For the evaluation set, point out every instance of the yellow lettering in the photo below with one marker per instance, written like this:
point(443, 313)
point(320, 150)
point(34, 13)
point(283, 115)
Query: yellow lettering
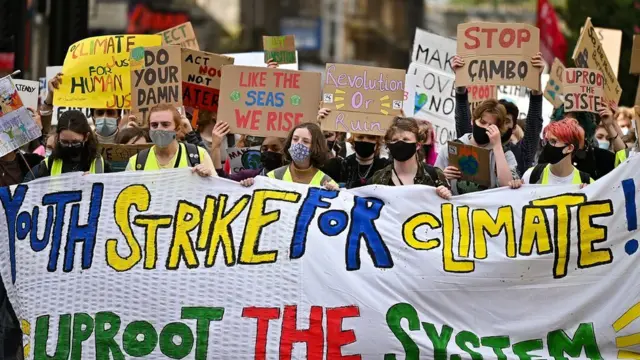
point(451, 264)
point(483, 222)
point(535, 227)
point(409, 231)
point(137, 196)
point(465, 231)
point(222, 233)
point(207, 219)
point(560, 204)
point(257, 220)
point(151, 224)
point(589, 234)
point(188, 217)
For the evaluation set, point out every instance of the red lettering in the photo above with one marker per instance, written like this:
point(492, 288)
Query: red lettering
point(264, 315)
point(507, 38)
point(283, 121)
point(290, 81)
point(313, 337)
point(489, 33)
point(336, 337)
point(469, 33)
point(253, 79)
point(242, 121)
point(524, 35)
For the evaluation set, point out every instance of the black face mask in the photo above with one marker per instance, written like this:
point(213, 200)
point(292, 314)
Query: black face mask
point(270, 160)
point(506, 136)
point(480, 135)
point(364, 149)
point(68, 152)
point(331, 144)
point(402, 151)
point(552, 154)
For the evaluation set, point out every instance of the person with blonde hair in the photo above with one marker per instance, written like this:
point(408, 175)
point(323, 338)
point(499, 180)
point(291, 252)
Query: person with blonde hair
point(489, 124)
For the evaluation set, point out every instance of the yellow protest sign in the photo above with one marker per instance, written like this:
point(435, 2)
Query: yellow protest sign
point(97, 73)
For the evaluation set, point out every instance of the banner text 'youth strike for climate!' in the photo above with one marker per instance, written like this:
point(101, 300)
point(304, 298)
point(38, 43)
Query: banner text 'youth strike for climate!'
point(200, 231)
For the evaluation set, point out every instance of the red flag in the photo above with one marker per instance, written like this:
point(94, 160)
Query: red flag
point(552, 41)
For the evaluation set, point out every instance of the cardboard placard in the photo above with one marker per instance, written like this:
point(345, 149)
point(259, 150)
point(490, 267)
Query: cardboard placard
point(267, 102)
point(553, 90)
point(159, 81)
point(256, 58)
point(589, 53)
point(583, 90)
point(433, 50)
point(635, 56)
point(498, 53)
point(182, 35)
point(282, 49)
point(201, 74)
point(118, 155)
point(611, 40)
point(29, 92)
point(473, 162)
point(356, 123)
point(243, 159)
point(17, 127)
point(362, 90)
point(97, 72)
point(479, 94)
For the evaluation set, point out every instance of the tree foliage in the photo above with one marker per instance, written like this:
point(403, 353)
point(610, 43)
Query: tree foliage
point(613, 14)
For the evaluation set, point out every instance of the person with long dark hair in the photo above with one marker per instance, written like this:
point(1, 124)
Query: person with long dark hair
point(76, 149)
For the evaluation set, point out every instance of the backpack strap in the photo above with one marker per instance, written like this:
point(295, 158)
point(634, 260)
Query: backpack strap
point(99, 165)
point(585, 178)
point(193, 154)
point(536, 173)
point(141, 159)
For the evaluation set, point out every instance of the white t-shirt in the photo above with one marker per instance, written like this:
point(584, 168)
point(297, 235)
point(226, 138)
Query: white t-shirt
point(553, 180)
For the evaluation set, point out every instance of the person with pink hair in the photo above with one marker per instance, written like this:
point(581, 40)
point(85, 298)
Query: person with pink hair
point(429, 147)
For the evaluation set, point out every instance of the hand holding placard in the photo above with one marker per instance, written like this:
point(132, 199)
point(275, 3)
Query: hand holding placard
point(498, 53)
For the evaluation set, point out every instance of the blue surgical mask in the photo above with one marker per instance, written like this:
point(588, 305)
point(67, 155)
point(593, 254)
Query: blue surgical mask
point(162, 138)
point(603, 144)
point(299, 152)
point(106, 126)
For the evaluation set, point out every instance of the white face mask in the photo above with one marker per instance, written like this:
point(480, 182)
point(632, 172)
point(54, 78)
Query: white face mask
point(625, 131)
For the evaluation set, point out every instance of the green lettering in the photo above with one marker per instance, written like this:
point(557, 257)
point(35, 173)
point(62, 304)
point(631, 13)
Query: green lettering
point(395, 315)
point(440, 342)
point(139, 348)
point(82, 329)
point(497, 343)
point(521, 349)
point(466, 337)
point(42, 335)
point(204, 317)
point(169, 347)
point(105, 342)
point(560, 344)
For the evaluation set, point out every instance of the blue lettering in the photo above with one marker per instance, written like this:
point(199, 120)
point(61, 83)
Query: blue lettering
point(333, 222)
point(313, 201)
point(60, 200)
point(40, 244)
point(251, 94)
point(84, 233)
point(362, 217)
point(11, 205)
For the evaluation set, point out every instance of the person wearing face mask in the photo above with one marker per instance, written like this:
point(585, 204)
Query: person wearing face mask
point(524, 150)
point(403, 138)
point(488, 127)
point(624, 117)
point(356, 169)
point(76, 149)
point(601, 138)
point(592, 159)
point(306, 151)
point(107, 122)
point(562, 138)
point(167, 152)
point(271, 155)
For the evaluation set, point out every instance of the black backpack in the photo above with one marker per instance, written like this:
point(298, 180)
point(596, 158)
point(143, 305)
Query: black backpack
point(536, 174)
point(193, 158)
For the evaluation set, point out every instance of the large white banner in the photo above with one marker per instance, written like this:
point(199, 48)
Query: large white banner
point(433, 50)
point(170, 265)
